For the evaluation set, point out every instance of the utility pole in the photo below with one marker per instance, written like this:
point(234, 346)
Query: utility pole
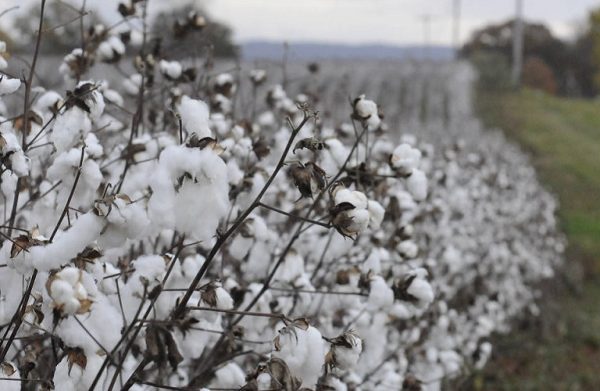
point(456, 26)
point(517, 49)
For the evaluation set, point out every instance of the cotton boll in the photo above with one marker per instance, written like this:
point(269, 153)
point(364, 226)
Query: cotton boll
point(417, 184)
point(303, 351)
point(376, 214)
point(194, 116)
point(9, 183)
point(171, 69)
point(47, 103)
point(229, 376)
point(132, 84)
point(380, 294)
point(111, 50)
point(292, 267)
point(356, 198)
point(8, 85)
point(405, 158)
point(360, 220)
point(422, 291)
point(67, 244)
point(200, 202)
point(67, 292)
point(68, 128)
point(408, 249)
point(345, 350)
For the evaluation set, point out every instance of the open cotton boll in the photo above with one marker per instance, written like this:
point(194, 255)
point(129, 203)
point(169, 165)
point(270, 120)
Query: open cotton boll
point(405, 158)
point(68, 128)
point(356, 198)
point(229, 376)
point(292, 267)
point(132, 84)
point(171, 69)
point(365, 108)
point(303, 351)
point(8, 85)
point(408, 249)
point(367, 111)
point(111, 50)
point(421, 290)
point(376, 214)
point(67, 244)
point(200, 202)
point(360, 220)
point(417, 184)
point(47, 103)
point(194, 116)
point(8, 371)
point(67, 291)
point(380, 294)
point(8, 184)
point(345, 351)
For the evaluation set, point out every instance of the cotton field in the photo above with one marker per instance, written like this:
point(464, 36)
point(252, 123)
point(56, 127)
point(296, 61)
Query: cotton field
point(258, 227)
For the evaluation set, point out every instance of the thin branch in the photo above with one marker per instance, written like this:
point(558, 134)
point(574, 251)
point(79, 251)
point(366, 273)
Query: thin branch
point(293, 216)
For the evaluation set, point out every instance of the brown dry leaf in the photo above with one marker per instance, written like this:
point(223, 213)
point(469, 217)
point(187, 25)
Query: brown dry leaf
point(76, 356)
point(283, 379)
point(277, 343)
point(310, 143)
point(209, 296)
point(301, 323)
point(8, 368)
point(20, 243)
point(261, 148)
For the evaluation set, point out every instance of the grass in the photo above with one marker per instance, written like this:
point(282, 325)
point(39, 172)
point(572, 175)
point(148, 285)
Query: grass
point(561, 350)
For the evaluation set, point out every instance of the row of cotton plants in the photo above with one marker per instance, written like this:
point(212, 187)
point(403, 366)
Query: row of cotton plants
point(191, 228)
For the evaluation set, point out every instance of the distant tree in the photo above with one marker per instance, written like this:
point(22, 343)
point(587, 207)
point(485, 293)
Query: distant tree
point(188, 32)
point(62, 27)
point(538, 75)
point(538, 42)
point(593, 48)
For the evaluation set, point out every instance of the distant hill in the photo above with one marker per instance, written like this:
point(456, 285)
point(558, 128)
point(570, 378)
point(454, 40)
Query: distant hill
point(309, 50)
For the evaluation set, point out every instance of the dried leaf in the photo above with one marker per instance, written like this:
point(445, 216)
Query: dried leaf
point(126, 10)
point(310, 143)
point(152, 343)
point(8, 369)
point(301, 323)
point(209, 296)
point(76, 356)
point(261, 148)
point(173, 355)
point(280, 372)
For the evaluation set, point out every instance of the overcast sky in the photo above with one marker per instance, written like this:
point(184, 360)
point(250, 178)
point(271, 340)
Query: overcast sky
point(363, 21)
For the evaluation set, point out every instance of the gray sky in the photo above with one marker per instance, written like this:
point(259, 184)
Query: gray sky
point(364, 21)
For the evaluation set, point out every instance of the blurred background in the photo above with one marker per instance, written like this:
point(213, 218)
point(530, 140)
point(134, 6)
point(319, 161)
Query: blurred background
point(538, 63)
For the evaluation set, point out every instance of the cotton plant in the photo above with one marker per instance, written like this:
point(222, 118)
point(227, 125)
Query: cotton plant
point(165, 232)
